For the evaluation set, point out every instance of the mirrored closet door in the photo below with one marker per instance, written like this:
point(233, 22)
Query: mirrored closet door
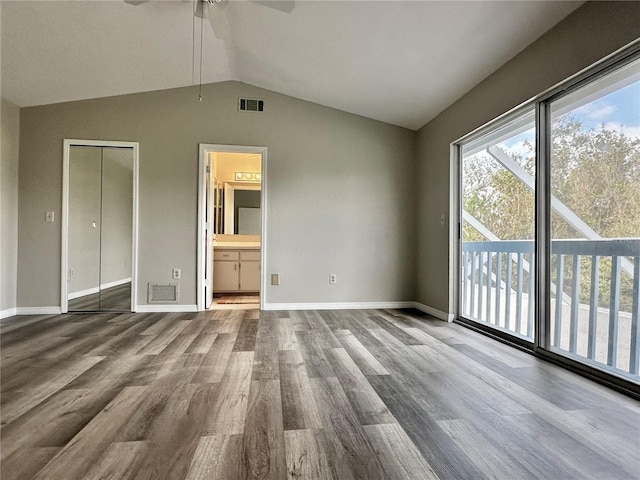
point(100, 226)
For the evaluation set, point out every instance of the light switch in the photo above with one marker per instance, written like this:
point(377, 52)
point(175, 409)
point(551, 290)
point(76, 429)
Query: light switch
point(49, 217)
point(275, 279)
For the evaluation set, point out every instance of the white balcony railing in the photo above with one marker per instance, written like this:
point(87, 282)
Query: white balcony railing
point(595, 290)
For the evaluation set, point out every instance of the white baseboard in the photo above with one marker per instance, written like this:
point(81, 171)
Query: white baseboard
point(115, 283)
point(447, 317)
point(337, 306)
point(90, 291)
point(82, 293)
point(9, 312)
point(38, 310)
point(166, 308)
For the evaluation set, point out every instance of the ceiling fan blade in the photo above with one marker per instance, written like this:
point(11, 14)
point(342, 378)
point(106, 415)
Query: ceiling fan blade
point(214, 12)
point(198, 11)
point(285, 6)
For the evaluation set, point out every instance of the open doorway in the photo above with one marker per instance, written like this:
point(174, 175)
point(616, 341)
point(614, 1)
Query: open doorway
point(231, 225)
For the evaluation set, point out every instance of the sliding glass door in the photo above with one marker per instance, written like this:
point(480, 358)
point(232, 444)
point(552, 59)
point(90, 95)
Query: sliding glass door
point(583, 143)
point(498, 227)
point(595, 220)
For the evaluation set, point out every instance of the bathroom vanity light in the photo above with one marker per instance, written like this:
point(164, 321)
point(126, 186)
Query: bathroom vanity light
point(248, 177)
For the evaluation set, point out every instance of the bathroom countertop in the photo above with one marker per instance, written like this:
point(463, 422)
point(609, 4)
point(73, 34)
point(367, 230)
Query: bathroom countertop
point(237, 245)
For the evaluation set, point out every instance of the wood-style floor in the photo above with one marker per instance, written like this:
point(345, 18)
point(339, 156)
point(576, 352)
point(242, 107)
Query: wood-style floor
point(110, 299)
point(297, 395)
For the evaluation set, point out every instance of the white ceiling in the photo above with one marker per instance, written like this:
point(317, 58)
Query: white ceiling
point(394, 61)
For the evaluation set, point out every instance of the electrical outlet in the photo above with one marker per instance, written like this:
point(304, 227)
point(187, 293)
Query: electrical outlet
point(72, 272)
point(333, 278)
point(275, 279)
point(176, 274)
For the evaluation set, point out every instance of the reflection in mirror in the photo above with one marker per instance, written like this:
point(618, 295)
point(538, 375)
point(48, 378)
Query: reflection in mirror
point(241, 209)
point(100, 228)
point(117, 219)
point(218, 217)
point(246, 206)
point(84, 228)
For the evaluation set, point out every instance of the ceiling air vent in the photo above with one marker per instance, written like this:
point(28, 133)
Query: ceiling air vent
point(251, 105)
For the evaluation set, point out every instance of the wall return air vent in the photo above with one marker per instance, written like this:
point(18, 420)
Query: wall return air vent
point(251, 105)
point(163, 293)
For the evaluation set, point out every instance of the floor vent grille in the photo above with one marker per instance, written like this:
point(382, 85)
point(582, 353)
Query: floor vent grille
point(163, 293)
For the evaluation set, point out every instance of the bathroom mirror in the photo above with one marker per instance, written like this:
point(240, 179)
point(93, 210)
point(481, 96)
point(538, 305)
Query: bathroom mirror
point(236, 183)
point(241, 209)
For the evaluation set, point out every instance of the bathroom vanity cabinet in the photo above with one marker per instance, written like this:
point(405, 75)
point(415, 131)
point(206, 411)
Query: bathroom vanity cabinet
point(236, 270)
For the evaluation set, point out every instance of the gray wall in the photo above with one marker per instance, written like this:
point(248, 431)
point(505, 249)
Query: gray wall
point(590, 33)
point(340, 190)
point(9, 216)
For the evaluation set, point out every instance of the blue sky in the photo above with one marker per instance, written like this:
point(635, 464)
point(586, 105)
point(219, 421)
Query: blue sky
point(517, 144)
point(619, 110)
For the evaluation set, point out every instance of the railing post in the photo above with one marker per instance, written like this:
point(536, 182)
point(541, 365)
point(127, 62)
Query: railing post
point(480, 282)
point(465, 285)
point(593, 306)
point(489, 268)
point(634, 350)
point(472, 286)
point(498, 282)
point(531, 294)
point(614, 305)
point(575, 303)
point(507, 292)
point(557, 331)
point(519, 294)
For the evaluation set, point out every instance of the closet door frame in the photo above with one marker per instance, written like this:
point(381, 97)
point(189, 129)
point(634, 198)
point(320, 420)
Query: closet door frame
point(64, 257)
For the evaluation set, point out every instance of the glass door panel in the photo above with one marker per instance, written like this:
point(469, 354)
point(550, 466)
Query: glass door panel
point(497, 264)
point(84, 228)
point(595, 222)
point(117, 219)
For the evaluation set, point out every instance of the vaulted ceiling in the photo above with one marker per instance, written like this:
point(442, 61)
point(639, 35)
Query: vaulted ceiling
point(395, 61)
